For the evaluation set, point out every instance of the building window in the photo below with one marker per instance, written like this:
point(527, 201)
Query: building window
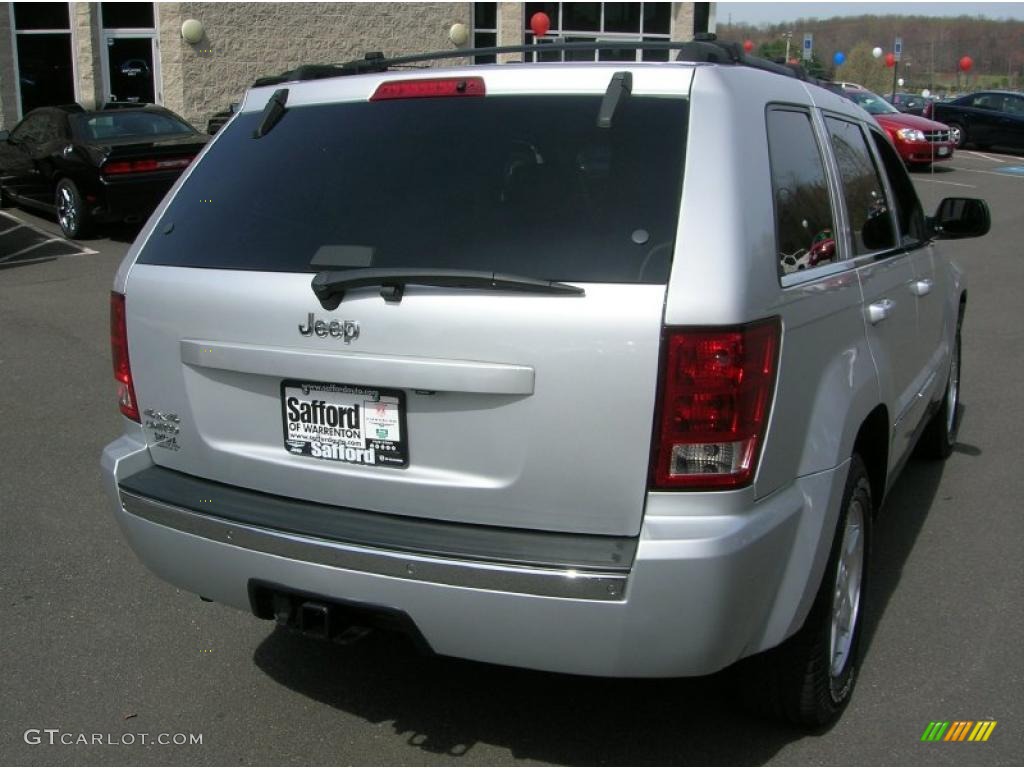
point(45, 68)
point(485, 29)
point(604, 22)
point(127, 15)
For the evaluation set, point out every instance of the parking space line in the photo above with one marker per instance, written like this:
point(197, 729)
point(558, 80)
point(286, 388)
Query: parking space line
point(990, 173)
point(48, 238)
point(10, 256)
point(994, 159)
point(950, 183)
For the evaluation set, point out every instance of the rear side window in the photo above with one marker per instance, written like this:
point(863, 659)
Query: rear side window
point(527, 185)
point(866, 205)
point(803, 208)
point(115, 125)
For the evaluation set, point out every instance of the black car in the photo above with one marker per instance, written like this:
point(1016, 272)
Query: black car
point(909, 103)
point(984, 119)
point(89, 167)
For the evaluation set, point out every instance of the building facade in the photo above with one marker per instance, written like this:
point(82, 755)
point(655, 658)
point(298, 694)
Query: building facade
point(197, 58)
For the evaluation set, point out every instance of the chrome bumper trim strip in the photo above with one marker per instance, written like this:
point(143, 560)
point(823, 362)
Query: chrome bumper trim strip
point(542, 582)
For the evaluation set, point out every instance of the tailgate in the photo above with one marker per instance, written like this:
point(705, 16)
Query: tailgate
point(536, 414)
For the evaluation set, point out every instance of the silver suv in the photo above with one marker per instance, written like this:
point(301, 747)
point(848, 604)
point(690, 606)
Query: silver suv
point(596, 368)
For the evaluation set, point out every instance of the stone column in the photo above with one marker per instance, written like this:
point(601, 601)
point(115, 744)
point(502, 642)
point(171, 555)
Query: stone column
point(8, 95)
point(510, 29)
point(682, 22)
point(169, 18)
point(87, 51)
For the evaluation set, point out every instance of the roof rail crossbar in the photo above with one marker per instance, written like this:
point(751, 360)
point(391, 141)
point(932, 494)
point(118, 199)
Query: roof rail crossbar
point(702, 50)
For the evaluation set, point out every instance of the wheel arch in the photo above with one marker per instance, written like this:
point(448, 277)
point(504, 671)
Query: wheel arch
point(872, 445)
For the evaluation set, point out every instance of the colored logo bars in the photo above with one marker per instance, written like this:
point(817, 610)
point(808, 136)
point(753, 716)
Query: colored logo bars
point(959, 730)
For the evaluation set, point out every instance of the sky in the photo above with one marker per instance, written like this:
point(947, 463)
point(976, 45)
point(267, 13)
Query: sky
point(772, 12)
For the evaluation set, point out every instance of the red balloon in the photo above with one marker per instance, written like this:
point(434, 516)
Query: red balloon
point(540, 24)
point(748, 45)
point(890, 60)
point(966, 63)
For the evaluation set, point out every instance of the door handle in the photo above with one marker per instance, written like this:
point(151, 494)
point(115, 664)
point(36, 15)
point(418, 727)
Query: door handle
point(921, 287)
point(878, 311)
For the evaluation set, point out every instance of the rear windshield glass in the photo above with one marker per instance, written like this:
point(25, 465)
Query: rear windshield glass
point(117, 125)
point(524, 185)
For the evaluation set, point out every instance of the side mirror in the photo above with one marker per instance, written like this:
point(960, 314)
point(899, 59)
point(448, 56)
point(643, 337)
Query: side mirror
point(5, 135)
point(960, 217)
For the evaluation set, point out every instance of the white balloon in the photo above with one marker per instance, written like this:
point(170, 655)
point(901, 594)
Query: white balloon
point(926, 93)
point(876, 52)
point(900, 82)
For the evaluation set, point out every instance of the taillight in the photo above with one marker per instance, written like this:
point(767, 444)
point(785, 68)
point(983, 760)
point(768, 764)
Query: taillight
point(119, 353)
point(431, 88)
point(146, 165)
point(716, 394)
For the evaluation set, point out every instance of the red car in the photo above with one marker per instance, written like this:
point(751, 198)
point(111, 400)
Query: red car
point(919, 141)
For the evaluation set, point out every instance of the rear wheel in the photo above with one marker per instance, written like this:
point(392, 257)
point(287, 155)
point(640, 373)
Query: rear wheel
point(957, 135)
point(939, 436)
point(71, 212)
point(809, 679)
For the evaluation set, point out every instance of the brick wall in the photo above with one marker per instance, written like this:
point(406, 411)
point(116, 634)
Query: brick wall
point(245, 41)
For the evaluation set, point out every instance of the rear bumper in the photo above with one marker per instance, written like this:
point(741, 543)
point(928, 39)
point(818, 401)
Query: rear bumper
point(130, 198)
point(703, 591)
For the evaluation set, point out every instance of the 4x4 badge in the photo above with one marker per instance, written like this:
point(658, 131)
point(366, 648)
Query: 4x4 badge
point(345, 329)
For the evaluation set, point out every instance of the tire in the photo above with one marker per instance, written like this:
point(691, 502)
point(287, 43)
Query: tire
point(939, 437)
point(72, 214)
point(808, 680)
point(958, 135)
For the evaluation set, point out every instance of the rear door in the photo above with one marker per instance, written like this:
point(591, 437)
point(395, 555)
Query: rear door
point(498, 407)
point(1011, 122)
point(886, 272)
point(929, 290)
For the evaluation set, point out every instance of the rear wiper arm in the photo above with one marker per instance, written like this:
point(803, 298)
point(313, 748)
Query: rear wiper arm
point(330, 285)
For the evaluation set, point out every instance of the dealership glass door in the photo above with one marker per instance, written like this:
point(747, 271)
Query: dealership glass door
point(130, 68)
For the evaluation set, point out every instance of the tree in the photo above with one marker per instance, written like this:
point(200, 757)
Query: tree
point(863, 68)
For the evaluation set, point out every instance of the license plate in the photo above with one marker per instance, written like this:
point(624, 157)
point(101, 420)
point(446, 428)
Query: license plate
point(344, 423)
point(943, 151)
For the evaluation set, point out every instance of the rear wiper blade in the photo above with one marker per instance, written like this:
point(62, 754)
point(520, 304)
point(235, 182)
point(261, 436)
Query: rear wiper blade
point(330, 285)
point(272, 113)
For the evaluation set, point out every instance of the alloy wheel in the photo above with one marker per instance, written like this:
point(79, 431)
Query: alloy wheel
point(847, 593)
point(67, 212)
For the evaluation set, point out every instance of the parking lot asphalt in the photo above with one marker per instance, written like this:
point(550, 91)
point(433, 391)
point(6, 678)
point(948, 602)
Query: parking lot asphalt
point(93, 644)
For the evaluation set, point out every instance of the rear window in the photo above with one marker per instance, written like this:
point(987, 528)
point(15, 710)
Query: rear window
point(520, 184)
point(118, 125)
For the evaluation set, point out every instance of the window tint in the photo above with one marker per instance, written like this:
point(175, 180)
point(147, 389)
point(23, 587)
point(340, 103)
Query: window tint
point(116, 124)
point(909, 214)
point(871, 223)
point(803, 208)
point(521, 184)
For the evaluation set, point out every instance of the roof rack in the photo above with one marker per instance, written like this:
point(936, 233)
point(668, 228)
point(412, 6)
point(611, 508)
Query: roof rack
point(704, 48)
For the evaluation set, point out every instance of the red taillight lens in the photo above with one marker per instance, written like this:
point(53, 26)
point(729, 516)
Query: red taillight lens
point(716, 393)
point(146, 165)
point(119, 353)
point(438, 87)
